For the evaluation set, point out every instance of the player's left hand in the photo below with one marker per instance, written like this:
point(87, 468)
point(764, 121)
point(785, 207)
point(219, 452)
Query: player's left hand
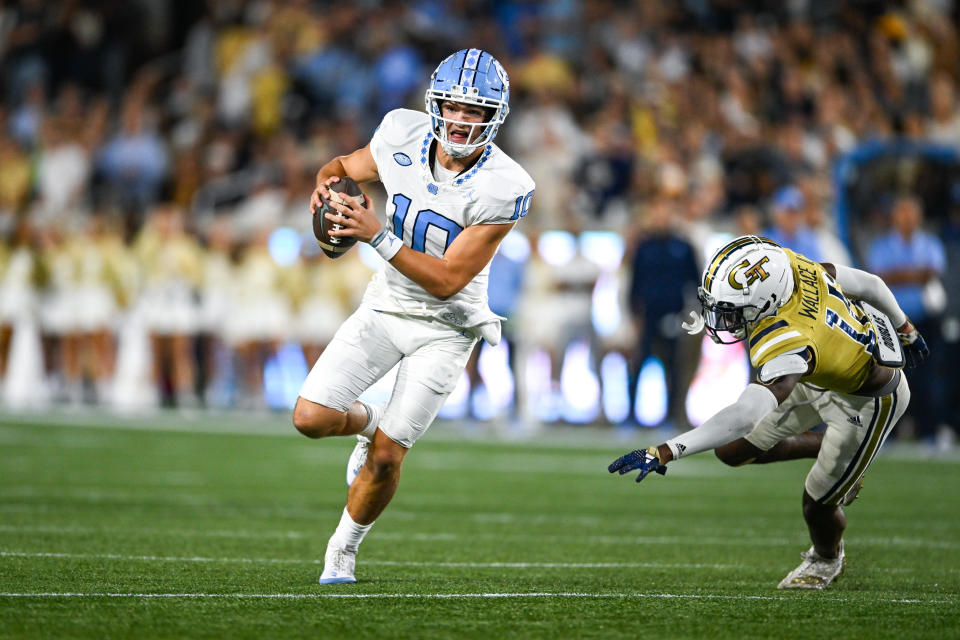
point(357, 221)
point(915, 349)
point(645, 461)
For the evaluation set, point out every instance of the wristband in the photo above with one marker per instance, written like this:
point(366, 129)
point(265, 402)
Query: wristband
point(387, 246)
point(375, 240)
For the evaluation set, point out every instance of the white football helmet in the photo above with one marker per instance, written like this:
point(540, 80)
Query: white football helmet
point(746, 280)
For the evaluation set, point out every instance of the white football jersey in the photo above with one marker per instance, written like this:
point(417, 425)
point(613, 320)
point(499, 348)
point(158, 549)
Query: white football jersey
point(428, 214)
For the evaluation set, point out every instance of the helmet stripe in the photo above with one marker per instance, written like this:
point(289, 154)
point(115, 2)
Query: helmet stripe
point(473, 59)
point(725, 253)
point(469, 70)
point(721, 257)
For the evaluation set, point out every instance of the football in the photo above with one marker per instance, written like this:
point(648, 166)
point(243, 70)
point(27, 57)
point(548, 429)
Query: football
point(334, 246)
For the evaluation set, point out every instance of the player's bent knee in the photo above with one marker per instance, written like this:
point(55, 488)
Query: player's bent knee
point(317, 421)
point(385, 461)
point(727, 456)
point(736, 453)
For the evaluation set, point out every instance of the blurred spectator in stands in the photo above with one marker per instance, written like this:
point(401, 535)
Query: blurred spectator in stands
point(747, 220)
point(334, 77)
point(90, 275)
point(947, 432)
point(702, 209)
point(26, 24)
point(26, 121)
point(261, 316)
point(505, 285)
point(912, 261)
point(943, 125)
point(789, 228)
point(397, 67)
point(664, 276)
point(604, 175)
point(21, 276)
point(325, 292)
point(216, 292)
point(63, 168)
point(134, 162)
point(15, 176)
point(171, 269)
point(554, 310)
point(816, 197)
point(58, 310)
point(549, 142)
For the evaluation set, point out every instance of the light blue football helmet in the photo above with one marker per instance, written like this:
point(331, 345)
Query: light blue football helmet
point(475, 77)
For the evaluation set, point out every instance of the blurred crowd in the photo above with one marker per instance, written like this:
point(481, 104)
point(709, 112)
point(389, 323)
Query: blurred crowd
point(149, 151)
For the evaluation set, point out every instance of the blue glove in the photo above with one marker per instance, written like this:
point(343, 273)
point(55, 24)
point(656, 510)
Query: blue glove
point(915, 349)
point(646, 461)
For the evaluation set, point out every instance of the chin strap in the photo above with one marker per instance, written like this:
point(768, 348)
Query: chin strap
point(695, 325)
point(456, 151)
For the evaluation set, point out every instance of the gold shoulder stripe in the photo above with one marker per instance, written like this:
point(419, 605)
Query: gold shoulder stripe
point(770, 342)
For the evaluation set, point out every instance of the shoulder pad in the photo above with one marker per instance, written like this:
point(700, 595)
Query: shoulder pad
point(782, 365)
point(401, 126)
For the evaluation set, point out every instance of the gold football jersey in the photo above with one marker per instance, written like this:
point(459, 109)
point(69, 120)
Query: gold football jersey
point(840, 336)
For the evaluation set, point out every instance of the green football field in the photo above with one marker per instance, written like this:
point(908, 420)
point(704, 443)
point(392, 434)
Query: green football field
point(215, 527)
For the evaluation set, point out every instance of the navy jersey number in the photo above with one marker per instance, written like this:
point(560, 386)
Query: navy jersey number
point(425, 219)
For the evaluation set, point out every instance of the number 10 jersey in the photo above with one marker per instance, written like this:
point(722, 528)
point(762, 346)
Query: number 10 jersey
point(428, 214)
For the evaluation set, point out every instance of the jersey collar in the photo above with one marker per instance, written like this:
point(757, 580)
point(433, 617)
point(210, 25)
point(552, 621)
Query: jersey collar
point(461, 178)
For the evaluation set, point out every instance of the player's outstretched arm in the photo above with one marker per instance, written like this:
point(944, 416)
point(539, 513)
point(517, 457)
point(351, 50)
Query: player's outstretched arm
point(725, 426)
point(358, 165)
point(872, 289)
point(866, 286)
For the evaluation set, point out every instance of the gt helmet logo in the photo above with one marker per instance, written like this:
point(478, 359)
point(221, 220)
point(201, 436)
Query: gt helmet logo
point(745, 281)
point(752, 274)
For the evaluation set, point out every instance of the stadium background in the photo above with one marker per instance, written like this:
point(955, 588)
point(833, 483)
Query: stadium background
point(156, 159)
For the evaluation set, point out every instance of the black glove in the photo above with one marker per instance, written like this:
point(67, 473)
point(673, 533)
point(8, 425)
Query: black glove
point(915, 349)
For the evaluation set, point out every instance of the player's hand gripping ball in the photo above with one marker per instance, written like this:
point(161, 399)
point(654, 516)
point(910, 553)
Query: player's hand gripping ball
point(334, 246)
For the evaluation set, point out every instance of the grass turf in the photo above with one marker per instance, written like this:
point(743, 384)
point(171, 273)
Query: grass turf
point(153, 532)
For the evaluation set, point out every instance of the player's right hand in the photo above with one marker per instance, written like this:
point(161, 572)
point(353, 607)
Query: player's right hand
point(321, 192)
point(645, 461)
point(915, 349)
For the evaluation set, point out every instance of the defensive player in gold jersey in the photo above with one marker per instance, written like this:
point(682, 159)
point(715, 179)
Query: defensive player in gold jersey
point(827, 344)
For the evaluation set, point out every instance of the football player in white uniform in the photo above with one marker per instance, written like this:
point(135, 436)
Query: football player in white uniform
point(452, 197)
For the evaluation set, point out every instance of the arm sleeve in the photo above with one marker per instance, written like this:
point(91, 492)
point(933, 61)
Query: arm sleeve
point(872, 289)
point(728, 424)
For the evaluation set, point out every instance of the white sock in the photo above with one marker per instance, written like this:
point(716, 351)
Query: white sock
point(374, 413)
point(349, 534)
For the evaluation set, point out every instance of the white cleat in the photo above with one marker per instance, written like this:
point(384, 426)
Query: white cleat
point(338, 566)
point(814, 572)
point(358, 458)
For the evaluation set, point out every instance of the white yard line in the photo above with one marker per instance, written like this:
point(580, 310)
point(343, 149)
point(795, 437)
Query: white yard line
point(452, 596)
point(392, 563)
point(733, 540)
point(412, 563)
